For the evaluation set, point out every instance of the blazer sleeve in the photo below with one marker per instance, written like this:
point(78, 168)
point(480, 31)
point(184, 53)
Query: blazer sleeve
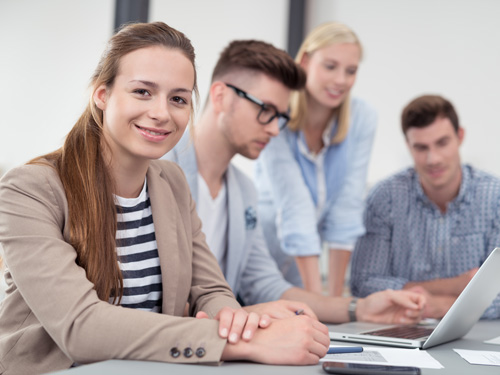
point(58, 293)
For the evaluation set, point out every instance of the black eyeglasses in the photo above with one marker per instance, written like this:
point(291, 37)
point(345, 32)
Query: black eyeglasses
point(267, 113)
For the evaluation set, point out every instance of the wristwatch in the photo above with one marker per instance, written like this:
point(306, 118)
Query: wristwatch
point(351, 310)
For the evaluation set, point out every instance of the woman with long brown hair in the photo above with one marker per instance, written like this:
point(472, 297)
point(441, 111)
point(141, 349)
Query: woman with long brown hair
point(102, 243)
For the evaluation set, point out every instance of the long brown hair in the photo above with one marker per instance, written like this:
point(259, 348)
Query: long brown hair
point(322, 36)
point(81, 167)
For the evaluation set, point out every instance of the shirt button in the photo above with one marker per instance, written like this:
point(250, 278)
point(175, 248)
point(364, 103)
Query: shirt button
point(200, 352)
point(174, 352)
point(188, 352)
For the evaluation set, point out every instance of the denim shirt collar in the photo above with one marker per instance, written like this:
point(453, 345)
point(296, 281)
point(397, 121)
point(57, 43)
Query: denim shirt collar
point(464, 194)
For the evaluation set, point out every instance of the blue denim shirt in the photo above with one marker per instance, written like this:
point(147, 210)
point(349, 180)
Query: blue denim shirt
point(288, 191)
point(409, 239)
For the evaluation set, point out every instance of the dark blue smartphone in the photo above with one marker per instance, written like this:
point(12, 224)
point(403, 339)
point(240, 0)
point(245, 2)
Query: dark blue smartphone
point(362, 369)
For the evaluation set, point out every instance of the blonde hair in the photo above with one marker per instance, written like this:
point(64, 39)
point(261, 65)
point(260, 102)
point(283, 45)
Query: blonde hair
point(322, 36)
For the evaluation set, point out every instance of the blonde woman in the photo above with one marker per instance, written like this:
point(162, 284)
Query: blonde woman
point(311, 178)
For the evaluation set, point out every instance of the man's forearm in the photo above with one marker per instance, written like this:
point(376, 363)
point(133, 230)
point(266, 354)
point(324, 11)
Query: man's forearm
point(309, 272)
point(338, 261)
point(452, 286)
point(327, 309)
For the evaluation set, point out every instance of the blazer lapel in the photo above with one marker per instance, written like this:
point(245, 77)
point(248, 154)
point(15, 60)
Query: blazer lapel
point(165, 218)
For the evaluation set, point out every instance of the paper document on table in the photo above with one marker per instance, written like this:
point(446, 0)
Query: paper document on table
point(495, 340)
point(480, 357)
point(376, 355)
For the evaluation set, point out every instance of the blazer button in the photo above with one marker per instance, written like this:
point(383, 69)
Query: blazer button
point(174, 352)
point(200, 352)
point(188, 352)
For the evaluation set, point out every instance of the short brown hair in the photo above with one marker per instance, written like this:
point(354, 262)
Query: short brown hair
point(261, 57)
point(424, 110)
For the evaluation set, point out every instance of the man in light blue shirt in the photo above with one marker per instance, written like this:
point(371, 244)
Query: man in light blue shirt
point(249, 94)
point(430, 227)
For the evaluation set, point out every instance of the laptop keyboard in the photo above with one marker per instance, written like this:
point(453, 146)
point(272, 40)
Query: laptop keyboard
point(402, 332)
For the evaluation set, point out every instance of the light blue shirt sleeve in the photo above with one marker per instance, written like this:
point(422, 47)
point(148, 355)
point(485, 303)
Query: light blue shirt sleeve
point(295, 208)
point(343, 221)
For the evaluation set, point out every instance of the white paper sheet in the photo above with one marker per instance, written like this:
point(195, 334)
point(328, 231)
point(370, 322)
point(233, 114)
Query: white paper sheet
point(480, 357)
point(377, 355)
point(495, 340)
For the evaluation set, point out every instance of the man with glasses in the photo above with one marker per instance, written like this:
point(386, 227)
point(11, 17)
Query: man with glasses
point(248, 99)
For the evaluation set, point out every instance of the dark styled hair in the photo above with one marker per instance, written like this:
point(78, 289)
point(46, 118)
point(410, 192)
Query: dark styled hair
point(262, 57)
point(424, 110)
point(83, 171)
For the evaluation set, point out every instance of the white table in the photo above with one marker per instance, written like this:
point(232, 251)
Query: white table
point(452, 362)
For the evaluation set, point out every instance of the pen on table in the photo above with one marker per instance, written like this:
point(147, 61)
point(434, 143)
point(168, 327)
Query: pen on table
point(299, 312)
point(344, 349)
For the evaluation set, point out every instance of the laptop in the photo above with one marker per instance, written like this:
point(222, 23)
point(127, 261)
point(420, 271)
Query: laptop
point(463, 314)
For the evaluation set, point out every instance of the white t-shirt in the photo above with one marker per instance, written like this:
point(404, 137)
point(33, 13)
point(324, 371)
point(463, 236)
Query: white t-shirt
point(213, 214)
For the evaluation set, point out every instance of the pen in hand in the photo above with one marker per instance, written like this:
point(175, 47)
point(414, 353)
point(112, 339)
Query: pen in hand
point(344, 349)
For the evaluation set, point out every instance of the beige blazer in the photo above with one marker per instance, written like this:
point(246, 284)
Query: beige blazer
point(51, 316)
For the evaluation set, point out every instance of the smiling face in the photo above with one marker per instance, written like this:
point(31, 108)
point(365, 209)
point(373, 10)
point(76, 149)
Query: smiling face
point(435, 151)
point(147, 109)
point(238, 122)
point(331, 72)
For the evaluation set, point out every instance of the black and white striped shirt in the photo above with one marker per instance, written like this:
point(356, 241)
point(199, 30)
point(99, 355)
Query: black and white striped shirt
point(138, 253)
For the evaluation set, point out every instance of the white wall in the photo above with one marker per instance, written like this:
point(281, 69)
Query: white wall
point(447, 47)
point(52, 47)
point(212, 24)
point(49, 48)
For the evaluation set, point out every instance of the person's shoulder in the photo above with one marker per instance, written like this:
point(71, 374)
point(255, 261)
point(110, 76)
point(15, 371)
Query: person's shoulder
point(35, 173)
point(363, 114)
point(39, 180)
point(480, 175)
point(399, 182)
point(359, 104)
point(389, 196)
point(482, 180)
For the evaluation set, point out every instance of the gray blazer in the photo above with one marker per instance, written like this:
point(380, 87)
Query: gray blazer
point(51, 316)
point(250, 270)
